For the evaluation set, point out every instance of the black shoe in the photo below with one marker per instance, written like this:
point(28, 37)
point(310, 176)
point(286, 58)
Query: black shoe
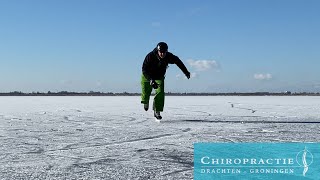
point(146, 107)
point(157, 115)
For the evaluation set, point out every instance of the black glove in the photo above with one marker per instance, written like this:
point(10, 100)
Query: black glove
point(154, 84)
point(188, 75)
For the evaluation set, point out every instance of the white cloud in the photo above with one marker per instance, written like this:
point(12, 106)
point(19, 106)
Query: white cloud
point(193, 75)
point(203, 65)
point(262, 76)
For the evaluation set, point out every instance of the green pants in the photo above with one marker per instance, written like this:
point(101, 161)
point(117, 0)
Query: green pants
point(158, 102)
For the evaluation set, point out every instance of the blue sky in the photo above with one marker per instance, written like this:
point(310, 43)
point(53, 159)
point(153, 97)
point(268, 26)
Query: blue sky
point(99, 45)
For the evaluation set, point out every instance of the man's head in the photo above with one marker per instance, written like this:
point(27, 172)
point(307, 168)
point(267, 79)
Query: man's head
point(162, 48)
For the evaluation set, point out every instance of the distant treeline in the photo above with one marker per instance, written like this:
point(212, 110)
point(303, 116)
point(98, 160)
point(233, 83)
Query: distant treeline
point(67, 93)
point(93, 93)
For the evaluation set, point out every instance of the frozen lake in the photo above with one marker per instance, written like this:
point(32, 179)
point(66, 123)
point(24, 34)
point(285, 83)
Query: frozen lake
point(114, 138)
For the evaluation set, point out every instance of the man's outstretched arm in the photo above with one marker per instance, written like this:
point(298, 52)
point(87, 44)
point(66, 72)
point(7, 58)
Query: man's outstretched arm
point(183, 68)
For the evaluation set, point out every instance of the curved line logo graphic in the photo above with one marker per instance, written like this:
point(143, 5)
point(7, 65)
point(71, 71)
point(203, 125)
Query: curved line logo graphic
point(304, 158)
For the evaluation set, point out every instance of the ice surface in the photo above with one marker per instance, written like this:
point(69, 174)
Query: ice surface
point(114, 138)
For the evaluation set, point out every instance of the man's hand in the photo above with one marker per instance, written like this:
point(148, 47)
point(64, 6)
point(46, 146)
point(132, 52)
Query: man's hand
point(154, 84)
point(188, 75)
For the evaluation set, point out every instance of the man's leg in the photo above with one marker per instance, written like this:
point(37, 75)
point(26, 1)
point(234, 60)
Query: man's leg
point(158, 102)
point(146, 90)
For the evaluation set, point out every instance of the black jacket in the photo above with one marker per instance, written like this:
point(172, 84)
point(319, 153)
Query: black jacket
point(155, 68)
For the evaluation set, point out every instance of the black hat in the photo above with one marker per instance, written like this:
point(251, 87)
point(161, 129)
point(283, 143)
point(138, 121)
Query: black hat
point(162, 47)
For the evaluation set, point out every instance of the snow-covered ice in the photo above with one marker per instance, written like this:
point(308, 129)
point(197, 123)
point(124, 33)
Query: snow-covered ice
point(114, 138)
